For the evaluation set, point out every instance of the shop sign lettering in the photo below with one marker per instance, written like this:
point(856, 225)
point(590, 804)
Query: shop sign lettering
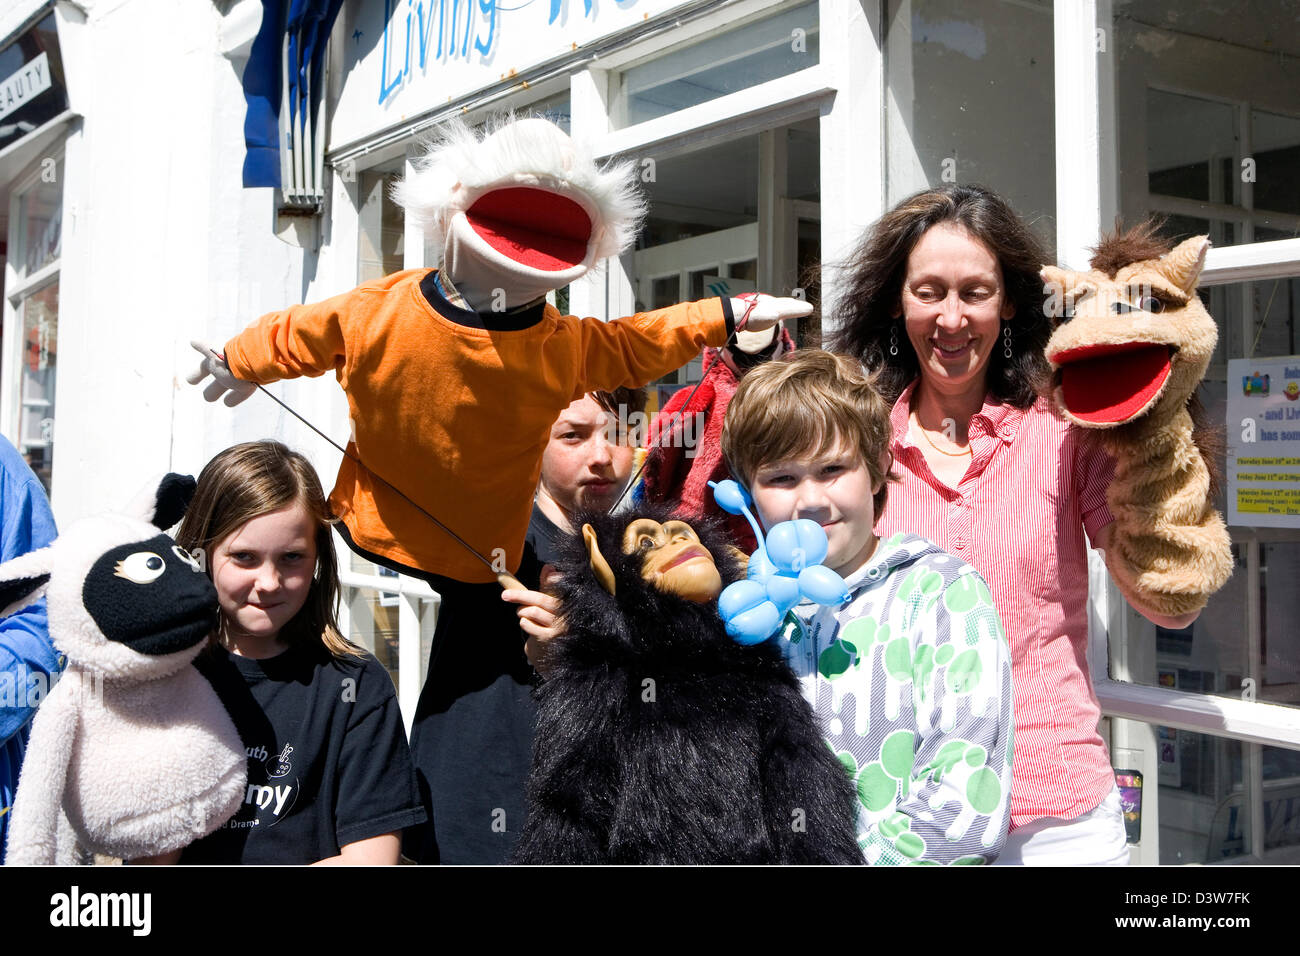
point(24, 85)
point(418, 33)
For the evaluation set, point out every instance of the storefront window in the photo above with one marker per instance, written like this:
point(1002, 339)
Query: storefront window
point(1203, 816)
point(1223, 652)
point(704, 235)
point(373, 620)
point(1276, 152)
point(717, 65)
point(379, 620)
point(1208, 811)
point(1274, 307)
point(1201, 167)
point(40, 211)
point(1209, 99)
point(703, 217)
point(554, 108)
point(32, 290)
point(1206, 134)
point(1281, 797)
point(970, 100)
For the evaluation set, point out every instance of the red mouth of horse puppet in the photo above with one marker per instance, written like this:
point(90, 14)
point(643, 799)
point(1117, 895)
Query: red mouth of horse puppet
point(1105, 385)
point(1133, 339)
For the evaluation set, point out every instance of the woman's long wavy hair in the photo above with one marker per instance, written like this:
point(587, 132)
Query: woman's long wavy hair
point(867, 309)
point(255, 478)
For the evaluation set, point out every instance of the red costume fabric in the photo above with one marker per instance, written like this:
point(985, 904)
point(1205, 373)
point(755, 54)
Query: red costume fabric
point(677, 473)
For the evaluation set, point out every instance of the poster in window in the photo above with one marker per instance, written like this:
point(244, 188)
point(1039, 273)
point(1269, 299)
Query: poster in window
point(1264, 442)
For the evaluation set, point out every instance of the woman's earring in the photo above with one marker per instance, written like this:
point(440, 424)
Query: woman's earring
point(893, 340)
point(1006, 341)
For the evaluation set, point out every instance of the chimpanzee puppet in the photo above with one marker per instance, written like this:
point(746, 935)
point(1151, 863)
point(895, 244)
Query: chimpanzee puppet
point(659, 738)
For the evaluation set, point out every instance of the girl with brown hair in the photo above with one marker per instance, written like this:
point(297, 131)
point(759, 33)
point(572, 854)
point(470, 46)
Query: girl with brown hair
point(329, 773)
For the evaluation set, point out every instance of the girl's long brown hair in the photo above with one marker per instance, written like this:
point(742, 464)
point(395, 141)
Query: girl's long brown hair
point(255, 478)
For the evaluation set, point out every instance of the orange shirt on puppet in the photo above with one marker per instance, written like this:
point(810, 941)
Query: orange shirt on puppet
point(456, 416)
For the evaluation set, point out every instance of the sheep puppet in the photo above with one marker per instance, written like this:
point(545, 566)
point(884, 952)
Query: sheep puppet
point(660, 739)
point(131, 754)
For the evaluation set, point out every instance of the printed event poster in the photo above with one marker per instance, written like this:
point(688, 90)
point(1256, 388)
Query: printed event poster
point(1264, 442)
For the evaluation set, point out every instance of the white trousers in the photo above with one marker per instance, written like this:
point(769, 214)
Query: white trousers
point(1095, 839)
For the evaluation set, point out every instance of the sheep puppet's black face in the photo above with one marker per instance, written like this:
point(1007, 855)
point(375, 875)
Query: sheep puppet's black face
point(122, 597)
point(151, 596)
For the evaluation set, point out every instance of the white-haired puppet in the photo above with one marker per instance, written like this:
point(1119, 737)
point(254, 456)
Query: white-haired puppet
point(454, 376)
point(132, 754)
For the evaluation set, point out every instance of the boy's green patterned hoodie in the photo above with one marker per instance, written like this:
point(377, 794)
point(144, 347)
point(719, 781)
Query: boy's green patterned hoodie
point(911, 681)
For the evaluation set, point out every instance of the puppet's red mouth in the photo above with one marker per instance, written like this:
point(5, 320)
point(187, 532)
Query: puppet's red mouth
point(536, 228)
point(1111, 384)
point(690, 554)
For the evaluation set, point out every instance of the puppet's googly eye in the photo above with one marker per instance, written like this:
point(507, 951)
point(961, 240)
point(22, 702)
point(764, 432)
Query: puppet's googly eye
point(1149, 303)
point(143, 567)
point(645, 542)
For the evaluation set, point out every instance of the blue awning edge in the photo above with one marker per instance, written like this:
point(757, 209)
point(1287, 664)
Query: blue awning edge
point(307, 24)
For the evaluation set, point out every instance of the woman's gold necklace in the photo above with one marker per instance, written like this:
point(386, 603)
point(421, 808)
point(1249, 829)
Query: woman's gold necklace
point(926, 435)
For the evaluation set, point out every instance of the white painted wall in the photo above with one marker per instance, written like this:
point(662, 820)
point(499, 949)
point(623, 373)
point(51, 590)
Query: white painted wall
point(162, 244)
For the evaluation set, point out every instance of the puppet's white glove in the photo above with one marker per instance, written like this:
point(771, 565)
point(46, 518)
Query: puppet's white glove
point(224, 384)
point(756, 312)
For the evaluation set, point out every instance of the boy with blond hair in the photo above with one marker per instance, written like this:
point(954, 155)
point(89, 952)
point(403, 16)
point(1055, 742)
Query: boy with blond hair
point(911, 678)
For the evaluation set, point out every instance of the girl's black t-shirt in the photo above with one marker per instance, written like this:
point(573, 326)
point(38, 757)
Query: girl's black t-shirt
point(328, 762)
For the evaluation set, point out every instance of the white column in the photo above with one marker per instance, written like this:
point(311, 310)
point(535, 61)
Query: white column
point(1086, 144)
point(588, 124)
point(852, 147)
point(1078, 141)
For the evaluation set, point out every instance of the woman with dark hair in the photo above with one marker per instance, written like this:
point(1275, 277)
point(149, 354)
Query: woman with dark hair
point(943, 301)
point(870, 308)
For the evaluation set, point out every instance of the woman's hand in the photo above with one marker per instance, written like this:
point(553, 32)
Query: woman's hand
point(538, 618)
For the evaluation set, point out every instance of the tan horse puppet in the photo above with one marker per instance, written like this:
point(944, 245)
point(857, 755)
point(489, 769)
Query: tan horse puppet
point(1132, 345)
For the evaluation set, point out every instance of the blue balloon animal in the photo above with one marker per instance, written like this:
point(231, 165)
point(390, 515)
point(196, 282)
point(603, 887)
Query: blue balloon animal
point(784, 569)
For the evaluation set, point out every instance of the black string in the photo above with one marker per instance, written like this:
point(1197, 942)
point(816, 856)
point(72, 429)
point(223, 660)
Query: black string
point(458, 539)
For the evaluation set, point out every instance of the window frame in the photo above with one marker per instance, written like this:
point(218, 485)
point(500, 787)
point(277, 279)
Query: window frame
point(1085, 95)
point(19, 288)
